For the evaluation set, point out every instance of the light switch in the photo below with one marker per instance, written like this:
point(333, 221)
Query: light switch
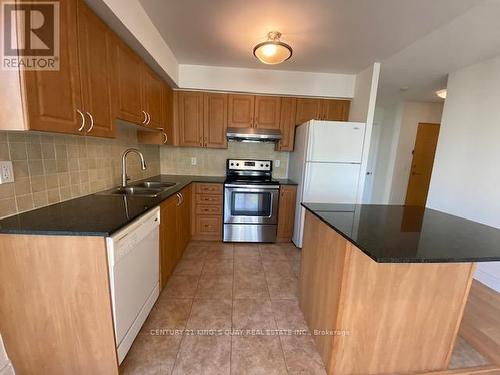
point(194, 161)
point(6, 172)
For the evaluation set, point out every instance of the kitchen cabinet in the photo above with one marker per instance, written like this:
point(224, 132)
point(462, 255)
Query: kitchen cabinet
point(286, 212)
point(215, 120)
point(127, 90)
point(152, 137)
point(153, 98)
point(175, 231)
point(183, 220)
point(168, 238)
point(287, 124)
point(321, 109)
point(254, 111)
point(207, 212)
point(201, 119)
point(267, 112)
point(94, 39)
point(241, 111)
point(53, 98)
point(190, 118)
point(307, 109)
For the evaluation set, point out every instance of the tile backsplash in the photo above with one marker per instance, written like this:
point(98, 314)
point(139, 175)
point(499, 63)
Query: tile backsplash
point(50, 168)
point(212, 162)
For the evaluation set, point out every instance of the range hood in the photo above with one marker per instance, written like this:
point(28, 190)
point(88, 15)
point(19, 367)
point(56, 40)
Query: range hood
point(253, 135)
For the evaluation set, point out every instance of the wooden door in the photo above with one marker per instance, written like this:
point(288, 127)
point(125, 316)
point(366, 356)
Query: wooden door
point(335, 110)
point(168, 128)
point(421, 166)
point(190, 118)
point(127, 90)
point(287, 124)
point(215, 120)
point(153, 98)
point(267, 112)
point(307, 109)
point(168, 238)
point(94, 39)
point(183, 210)
point(286, 213)
point(53, 97)
point(240, 111)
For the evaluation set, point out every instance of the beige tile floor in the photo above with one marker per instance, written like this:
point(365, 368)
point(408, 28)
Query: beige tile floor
point(218, 287)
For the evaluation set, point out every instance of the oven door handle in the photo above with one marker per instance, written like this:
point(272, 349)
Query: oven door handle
point(249, 186)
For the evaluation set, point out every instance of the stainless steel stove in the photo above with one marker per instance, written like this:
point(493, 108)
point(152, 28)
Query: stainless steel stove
point(250, 201)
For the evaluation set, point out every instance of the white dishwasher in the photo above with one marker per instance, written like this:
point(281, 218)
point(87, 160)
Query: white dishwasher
point(133, 259)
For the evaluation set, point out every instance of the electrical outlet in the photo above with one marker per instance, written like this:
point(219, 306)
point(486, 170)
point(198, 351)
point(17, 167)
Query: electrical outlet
point(194, 161)
point(277, 163)
point(6, 172)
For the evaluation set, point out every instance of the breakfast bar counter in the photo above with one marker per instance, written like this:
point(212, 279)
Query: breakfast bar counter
point(383, 288)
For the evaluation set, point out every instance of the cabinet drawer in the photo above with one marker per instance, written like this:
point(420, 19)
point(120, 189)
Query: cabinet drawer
point(202, 209)
point(208, 199)
point(208, 189)
point(208, 224)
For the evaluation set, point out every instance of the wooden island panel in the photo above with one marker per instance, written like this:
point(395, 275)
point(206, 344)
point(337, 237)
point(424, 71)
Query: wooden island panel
point(401, 317)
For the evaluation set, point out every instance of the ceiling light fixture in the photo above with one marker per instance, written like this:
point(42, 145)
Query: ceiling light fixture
point(441, 93)
point(273, 51)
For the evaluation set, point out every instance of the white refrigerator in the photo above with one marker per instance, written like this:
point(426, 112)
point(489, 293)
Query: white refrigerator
point(329, 164)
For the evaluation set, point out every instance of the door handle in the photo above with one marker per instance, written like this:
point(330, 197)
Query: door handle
point(145, 117)
point(83, 120)
point(91, 122)
point(149, 118)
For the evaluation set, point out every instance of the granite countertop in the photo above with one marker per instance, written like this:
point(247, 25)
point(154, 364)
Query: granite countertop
point(410, 234)
point(95, 214)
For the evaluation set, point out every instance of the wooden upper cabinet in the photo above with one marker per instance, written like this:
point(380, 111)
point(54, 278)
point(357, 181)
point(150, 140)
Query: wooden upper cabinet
point(168, 95)
point(153, 98)
point(287, 124)
point(307, 109)
point(54, 97)
point(286, 213)
point(190, 118)
point(240, 110)
point(335, 110)
point(95, 66)
point(267, 112)
point(215, 120)
point(127, 83)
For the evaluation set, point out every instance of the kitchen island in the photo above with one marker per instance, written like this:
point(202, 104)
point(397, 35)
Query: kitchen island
point(383, 288)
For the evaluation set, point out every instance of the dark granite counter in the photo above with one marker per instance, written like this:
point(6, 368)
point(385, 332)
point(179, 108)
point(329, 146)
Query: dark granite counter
point(93, 215)
point(409, 234)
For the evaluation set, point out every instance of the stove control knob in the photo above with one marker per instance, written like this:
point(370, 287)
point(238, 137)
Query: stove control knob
point(237, 164)
point(267, 165)
point(262, 165)
point(232, 164)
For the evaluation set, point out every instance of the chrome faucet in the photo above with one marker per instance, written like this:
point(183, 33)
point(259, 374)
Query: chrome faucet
point(124, 163)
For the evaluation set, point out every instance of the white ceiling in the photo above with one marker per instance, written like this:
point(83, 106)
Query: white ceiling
point(339, 36)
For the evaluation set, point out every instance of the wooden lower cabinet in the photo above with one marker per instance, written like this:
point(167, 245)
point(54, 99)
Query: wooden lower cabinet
point(207, 212)
point(55, 310)
point(175, 231)
point(286, 213)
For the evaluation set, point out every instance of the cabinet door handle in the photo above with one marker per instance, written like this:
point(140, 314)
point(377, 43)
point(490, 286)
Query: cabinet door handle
point(178, 199)
point(149, 118)
point(83, 120)
point(165, 137)
point(91, 122)
point(145, 117)
point(182, 198)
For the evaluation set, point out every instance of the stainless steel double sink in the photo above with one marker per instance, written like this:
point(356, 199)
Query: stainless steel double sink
point(141, 189)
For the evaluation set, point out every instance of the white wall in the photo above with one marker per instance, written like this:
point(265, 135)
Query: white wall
point(466, 175)
point(266, 81)
point(411, 114)
point(388, 134)
point(365, 95)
